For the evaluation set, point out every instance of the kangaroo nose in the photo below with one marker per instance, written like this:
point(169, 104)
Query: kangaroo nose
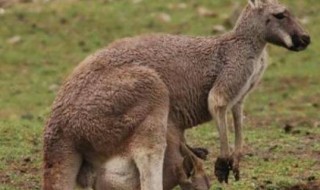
point(306, 39)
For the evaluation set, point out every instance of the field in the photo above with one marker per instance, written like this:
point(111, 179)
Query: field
point(41, 42)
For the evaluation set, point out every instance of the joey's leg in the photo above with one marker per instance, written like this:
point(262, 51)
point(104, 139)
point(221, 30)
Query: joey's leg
point(237, 113)
point(218, 110)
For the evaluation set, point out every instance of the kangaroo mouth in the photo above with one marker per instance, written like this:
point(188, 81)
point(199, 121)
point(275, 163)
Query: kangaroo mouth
point(300, 42)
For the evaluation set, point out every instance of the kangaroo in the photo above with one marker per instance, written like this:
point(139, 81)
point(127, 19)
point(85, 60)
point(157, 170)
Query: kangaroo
point(182, 166)
point(119, 101)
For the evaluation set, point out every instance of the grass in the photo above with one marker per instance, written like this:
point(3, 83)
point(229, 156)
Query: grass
point(56, 35)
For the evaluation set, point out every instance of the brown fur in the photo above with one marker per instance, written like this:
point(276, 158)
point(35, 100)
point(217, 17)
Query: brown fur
point(120, 100)
point(182, 166)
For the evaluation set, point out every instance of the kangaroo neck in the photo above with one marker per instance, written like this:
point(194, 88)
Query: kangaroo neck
point(247, 45)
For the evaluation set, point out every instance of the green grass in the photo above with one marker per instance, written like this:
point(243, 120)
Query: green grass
point(57, 35)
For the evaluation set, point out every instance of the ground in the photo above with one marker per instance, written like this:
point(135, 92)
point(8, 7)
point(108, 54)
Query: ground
point(42, 41)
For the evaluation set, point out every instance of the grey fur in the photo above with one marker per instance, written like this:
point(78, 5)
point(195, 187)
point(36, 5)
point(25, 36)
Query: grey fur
point(120, 99)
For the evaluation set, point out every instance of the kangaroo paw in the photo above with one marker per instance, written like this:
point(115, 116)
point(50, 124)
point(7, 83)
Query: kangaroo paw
point(235, 166)
point(236, 173)
point(222, 169)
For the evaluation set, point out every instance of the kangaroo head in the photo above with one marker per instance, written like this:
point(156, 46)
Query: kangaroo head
point(275, 24)
point(195, 177)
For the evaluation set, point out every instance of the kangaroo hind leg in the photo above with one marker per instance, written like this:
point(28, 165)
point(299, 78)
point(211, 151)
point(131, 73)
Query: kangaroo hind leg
point(148, 148)
point(61, 166)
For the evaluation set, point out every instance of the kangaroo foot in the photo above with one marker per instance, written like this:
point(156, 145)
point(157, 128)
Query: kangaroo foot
point(222, 169)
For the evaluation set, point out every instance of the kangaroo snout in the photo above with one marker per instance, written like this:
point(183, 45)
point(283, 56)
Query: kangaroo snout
point(300, 42)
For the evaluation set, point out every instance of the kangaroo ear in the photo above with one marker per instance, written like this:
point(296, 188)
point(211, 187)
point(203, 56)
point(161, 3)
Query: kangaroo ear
point(188, 166)
point(254, 3)
point(188, 160)
point(270, 1)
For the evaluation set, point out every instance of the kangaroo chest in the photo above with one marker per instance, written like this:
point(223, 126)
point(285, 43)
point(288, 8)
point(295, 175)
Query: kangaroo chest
point(254, 78)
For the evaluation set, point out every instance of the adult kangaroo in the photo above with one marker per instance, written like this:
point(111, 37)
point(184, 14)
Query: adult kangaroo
point(121, 99)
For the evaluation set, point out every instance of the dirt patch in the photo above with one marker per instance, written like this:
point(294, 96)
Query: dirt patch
point(27, 170)
point(308, 186)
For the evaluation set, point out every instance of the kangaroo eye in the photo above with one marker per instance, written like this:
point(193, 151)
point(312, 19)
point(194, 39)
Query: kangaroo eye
point(279, 16)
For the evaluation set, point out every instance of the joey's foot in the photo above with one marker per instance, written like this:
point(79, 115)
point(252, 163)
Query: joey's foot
point(200, 152)
point(222, 169)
